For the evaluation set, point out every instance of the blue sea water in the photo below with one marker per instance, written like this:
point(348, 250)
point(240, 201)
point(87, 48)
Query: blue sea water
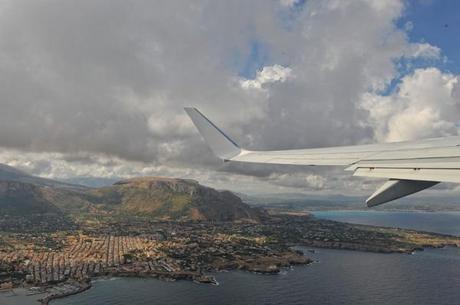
point(439, 222)
point(338, 277)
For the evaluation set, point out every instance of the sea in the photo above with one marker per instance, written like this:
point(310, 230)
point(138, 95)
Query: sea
point(336, 277)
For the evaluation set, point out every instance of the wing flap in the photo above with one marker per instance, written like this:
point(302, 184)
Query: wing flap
point(394, 189)
point(297, 159)
point(419, 174)
point(433, 163)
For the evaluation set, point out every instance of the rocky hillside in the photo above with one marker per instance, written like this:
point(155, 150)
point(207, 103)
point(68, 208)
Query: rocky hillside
point(169, 198)
point(18, 198)
point(159, 198)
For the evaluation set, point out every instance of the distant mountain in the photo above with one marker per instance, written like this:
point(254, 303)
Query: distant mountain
point(8, 173)
point(25, 206)
point(308, 202)
point(280, 198)
point(19, 199)
point(156, 197)
point(91, 181)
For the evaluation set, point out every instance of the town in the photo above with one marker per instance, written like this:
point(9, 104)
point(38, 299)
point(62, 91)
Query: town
point(188, 250)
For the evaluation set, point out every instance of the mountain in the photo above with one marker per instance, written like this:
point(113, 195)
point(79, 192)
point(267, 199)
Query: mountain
point(156, 197)
point(24, 207)
point(18, 198)
point(310, 202)
point(169, 198)
point(8, 173)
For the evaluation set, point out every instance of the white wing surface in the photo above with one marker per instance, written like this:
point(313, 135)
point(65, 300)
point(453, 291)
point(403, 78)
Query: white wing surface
point(409, 166)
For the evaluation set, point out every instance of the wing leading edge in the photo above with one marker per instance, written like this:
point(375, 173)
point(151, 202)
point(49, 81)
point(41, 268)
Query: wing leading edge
point(409, 166)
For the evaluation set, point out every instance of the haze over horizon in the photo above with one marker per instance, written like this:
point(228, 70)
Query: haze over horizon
point(96, 89)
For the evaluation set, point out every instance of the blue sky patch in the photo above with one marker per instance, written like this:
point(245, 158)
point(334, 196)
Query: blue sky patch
point(437, 23)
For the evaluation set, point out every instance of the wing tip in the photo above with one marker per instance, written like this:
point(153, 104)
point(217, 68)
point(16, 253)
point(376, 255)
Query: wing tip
point(221, 144)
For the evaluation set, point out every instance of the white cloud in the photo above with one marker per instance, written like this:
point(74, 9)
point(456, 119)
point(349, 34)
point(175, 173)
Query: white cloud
point(304, 181)
point(424, 50)
point(408, 26)
point(426, 104)
point(289, 3)
point(268, 75)
point(108, 81)
point(163, 125)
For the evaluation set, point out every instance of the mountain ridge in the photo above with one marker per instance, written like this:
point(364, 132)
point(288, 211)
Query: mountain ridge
point(160, 198)
point(9, 173)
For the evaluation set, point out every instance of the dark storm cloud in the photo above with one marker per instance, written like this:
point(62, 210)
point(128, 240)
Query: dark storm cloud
point(103, 76)
point(100, 83)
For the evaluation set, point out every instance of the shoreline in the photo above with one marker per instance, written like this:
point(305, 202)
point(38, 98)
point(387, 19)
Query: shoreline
point(105, 287)
point(371, 249)
point(385, 211)
point(166, 276)
point(210, 279)
point(83, 287)
point(191, 251)
point(201, 278)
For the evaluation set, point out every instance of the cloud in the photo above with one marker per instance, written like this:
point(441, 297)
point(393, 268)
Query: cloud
point(424, 50)
point(306, 182)
point(269, 74)
point(98, 87)
point(425, 104)
point(289, 3)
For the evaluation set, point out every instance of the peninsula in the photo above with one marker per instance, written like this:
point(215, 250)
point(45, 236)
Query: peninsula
point(171, 229)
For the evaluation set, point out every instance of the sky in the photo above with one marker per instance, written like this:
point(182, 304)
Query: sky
point(93, 91)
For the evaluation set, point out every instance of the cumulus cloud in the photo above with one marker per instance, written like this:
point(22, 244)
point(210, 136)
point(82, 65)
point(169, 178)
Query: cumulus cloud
point(425, 104)
point(269, 74)
point(303, 181)
point(289, 3)
point(424, 50)
point(99, 86)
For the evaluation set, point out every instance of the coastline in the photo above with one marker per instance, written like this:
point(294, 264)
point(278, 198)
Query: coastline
point(189, 277)
point(209, 279)
point(432, 222)
point(192, 251)
point(174, 276)
point(293, 286)
point(83, 287)
point(19, 296)
point(384, 211)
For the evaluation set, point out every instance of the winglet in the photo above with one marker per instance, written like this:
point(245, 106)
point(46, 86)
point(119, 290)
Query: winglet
point(224, 147)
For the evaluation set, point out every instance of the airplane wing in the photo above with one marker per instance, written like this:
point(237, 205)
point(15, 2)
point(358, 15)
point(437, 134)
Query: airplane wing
point(409, 166)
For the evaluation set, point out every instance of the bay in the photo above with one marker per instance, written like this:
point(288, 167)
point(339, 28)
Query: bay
point(439, 222)
point(430, 277)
